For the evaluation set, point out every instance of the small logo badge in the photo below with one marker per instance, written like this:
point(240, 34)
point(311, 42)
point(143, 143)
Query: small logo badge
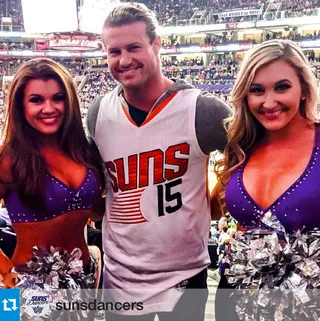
point(37, 303)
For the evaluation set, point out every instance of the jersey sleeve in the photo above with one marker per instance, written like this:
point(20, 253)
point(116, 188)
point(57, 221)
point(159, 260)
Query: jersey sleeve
point(91, 119)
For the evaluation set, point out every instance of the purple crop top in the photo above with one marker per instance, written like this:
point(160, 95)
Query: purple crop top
point(59, 199)
point(297, 207)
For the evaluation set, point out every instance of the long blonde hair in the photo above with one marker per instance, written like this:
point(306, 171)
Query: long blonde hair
point(243, 128)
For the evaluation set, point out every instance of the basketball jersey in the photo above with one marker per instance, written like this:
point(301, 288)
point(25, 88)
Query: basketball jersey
point(156, 227)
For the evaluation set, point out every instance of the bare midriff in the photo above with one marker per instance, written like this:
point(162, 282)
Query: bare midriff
point(65, 231)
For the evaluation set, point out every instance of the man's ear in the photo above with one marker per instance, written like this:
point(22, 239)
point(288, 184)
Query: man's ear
point(157, 44)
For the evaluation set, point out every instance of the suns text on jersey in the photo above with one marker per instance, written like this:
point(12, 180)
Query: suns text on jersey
point(156, 165)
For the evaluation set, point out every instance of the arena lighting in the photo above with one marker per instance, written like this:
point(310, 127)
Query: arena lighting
point(168, 51)
point(21, 53)
point(233, 47)
point(18, 34)
point(310, 20)
point(196, 35)
point(245, 25)
point(11, 34)
point(310, 27)
point(46, 16)
point(309, 44)
point(207, 49)
point(96, 54)
point(183, 30)
point(60, 54)
point(190, 49)
point(250, 31)
point(92, 14)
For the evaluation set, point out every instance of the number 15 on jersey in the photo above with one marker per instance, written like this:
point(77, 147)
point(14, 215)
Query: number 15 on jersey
point(168, 196)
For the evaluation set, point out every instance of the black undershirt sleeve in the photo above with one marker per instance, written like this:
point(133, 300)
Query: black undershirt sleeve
point(210, 115)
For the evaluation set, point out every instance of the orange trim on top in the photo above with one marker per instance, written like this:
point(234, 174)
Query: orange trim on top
point(160, 107)
point(154, 112)
point(128, 116)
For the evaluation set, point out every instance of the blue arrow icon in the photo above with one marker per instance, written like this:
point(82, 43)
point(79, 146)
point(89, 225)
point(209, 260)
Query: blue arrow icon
point(10, 304)
point(5, 305)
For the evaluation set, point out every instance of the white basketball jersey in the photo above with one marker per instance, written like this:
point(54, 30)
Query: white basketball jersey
point(156, 228)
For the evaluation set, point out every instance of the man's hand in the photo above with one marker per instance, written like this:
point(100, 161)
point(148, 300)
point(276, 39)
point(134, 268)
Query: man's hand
point(9, 279)
point(98, 209)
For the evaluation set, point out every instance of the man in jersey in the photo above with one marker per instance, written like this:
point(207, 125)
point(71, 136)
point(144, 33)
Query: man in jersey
point(154, 136)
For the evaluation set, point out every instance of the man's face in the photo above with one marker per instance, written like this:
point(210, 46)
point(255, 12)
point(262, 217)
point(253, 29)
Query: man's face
point(132, 58)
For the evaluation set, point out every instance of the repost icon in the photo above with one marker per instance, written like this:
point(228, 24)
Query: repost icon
point(10, 304)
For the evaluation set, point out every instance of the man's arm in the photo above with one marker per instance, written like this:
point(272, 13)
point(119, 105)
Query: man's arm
point(91, 119)
point(98, 207)
point(91, 122)
point(210, 113)
point(216, 211)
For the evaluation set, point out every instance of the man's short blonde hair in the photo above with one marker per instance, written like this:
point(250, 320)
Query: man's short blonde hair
point(129, 13)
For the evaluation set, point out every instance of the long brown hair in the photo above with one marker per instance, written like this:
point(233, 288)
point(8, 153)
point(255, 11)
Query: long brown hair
point(243, 128)
point(21, 143)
